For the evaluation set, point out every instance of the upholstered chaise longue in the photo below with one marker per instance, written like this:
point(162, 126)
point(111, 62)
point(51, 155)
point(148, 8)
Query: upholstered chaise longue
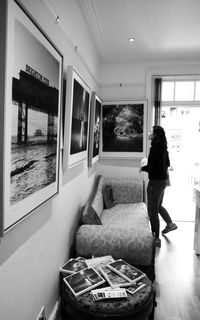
point(122, 229)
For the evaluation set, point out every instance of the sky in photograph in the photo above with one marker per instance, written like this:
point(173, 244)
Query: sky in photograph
point(31, 51)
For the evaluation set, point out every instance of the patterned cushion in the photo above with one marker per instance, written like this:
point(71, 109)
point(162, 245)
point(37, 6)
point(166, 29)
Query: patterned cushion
point(89, 215)
point(97, 202)
point(126, 190)
point(108, 196)
point(134, 214)
point(132, 244)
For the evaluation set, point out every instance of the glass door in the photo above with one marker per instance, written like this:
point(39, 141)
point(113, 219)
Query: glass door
point(182, 127)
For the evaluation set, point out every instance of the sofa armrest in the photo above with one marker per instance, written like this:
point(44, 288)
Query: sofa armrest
point(126, 190)
point(100, 240)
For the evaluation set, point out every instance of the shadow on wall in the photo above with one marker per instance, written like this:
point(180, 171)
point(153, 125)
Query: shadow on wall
point(17, 235)
point(76, 170)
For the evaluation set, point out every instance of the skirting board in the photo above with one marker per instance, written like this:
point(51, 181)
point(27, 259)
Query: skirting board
point(55, 310)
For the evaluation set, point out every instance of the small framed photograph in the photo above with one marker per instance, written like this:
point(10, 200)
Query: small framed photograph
point(73, 266)
point(83, 281)
point(136, 287)
point(113, 278)
point(76, 122)
point(124, 125)
point(126, 270)
point(94, 134)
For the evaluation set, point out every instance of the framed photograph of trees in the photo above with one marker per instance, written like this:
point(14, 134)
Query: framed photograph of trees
point(124, 129)
point(30, 91)
point(76, 124)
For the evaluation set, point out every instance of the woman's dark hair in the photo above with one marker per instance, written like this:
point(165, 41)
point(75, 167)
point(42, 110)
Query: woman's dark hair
point(159, 137)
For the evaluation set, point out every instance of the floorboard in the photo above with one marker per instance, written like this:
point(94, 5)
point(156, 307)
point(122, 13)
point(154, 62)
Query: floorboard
point(178, 275)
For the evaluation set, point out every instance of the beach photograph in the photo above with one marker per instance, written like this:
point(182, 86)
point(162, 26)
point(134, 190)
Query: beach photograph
point(34, 117)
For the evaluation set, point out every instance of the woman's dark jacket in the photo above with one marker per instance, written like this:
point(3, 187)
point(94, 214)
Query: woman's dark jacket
point(158, 163)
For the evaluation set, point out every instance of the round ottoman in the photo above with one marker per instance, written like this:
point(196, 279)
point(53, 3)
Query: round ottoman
point(138, 306)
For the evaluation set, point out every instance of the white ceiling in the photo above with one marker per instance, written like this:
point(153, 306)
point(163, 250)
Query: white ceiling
point(164, 29)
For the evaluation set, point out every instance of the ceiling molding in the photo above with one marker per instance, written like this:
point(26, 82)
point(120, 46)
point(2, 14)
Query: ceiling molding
point(90, 13)
point(150, 61)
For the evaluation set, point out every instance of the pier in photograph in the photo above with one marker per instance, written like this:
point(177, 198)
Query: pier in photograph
point(33, 92)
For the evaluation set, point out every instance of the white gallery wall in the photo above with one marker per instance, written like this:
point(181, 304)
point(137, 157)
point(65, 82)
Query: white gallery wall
point(133, 81)
point(34, 249)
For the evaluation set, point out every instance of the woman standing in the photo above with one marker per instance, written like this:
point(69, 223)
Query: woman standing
point(157, 168)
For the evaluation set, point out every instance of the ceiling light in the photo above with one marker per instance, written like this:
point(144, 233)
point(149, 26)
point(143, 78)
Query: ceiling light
point(131, 39)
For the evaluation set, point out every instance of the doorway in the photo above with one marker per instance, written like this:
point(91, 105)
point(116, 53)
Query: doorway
point(182, 127)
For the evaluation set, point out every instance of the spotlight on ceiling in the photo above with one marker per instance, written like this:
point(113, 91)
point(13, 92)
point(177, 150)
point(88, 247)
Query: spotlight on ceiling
point(131, 39)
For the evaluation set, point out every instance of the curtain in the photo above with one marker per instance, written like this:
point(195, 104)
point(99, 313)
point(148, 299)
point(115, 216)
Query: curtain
point(157, 100)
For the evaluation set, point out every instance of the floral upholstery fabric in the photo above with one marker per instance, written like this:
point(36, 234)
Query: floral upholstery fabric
point(125, 231)
point(123, 214)
point(97, 203)
point(132, 244)
point(126, 190)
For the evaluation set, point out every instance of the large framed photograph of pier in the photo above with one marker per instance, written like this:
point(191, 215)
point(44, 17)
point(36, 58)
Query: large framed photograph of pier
point(94, 134)
point(124, 126)
point(76, 124)
point(30, 116)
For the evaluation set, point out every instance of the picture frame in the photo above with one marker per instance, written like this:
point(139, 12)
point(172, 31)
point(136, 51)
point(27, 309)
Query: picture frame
point(76, 123)
point(83, 281)
point(94, 134)
point(95, 262)
point(124, 125)
point(135, 287)
point(31, 90)
point(73, 265)
point(126, 271)
point(113, 279)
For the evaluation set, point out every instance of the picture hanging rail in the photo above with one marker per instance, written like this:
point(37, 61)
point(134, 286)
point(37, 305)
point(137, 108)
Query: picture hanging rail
point(77, 115)
point(124, 129)
point(30, 117)
point(94, 134)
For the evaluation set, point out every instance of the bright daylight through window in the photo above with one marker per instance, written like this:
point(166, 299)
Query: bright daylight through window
point(181, 90)
point(180, 117)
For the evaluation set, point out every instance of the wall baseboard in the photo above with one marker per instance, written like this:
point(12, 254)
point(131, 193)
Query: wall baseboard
point(55, 311)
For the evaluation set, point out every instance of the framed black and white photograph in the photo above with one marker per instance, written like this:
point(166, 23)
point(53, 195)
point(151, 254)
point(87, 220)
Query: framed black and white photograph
point(135, 287)
point(113, 279)
point(83, 281)
point(126, 271)
point(76, 124)
point(124, 129)
point(30, 141)
point(73, 265)
point(94, 134)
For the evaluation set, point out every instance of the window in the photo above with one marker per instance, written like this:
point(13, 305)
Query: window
point(184, 91)
point(180, 90)
point(168, 91)
point(197, 91)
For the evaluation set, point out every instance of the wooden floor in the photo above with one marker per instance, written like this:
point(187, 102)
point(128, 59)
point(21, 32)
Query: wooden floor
point(178, 275)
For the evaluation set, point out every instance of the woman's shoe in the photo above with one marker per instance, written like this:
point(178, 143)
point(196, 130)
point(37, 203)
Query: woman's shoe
point(158, 242)
point(169, 227)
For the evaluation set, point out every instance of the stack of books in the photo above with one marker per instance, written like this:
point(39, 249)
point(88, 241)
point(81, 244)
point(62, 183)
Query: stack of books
point(82, 275)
